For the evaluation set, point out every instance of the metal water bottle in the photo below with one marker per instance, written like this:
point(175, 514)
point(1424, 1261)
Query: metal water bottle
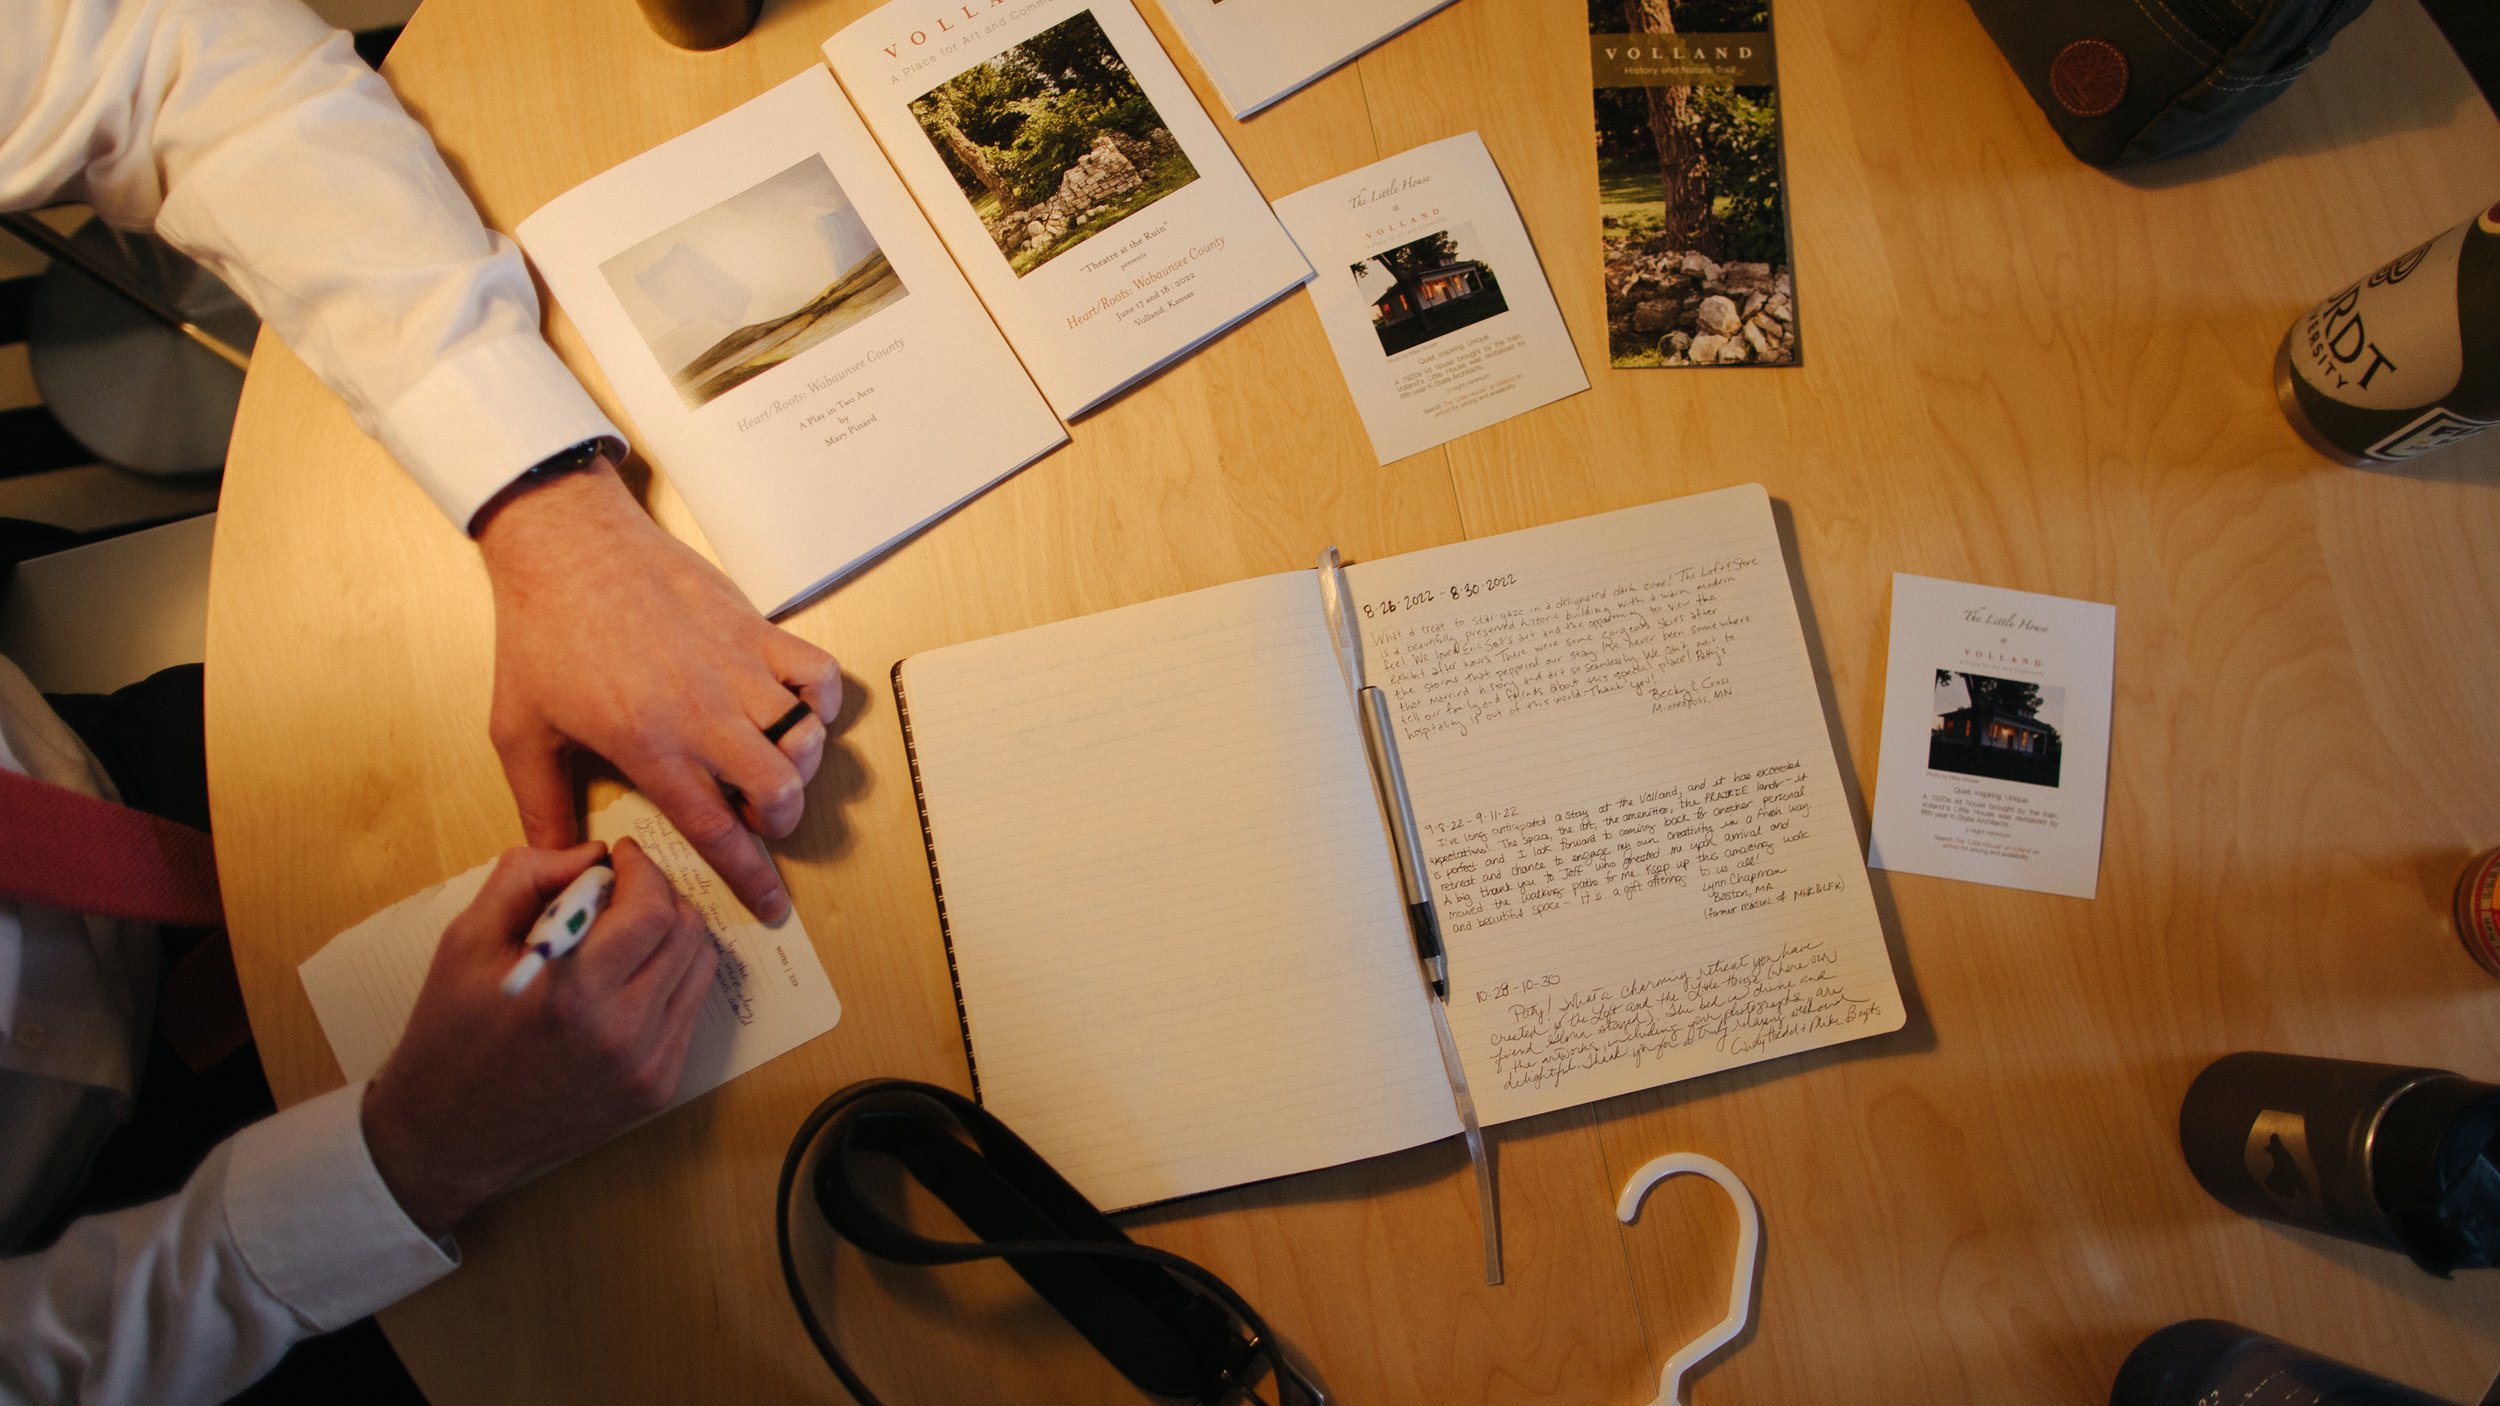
point(2405, 360)
point(2207, 1362)
point(2396, 1156)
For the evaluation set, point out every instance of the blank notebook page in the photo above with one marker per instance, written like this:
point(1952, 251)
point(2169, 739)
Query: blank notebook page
point(1174, 920)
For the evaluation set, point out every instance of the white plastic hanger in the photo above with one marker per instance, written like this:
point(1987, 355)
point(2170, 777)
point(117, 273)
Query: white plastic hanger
point(1748, 1259)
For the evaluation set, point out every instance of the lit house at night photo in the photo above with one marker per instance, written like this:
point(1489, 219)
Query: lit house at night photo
point(1433, 291)
point(1998, 728)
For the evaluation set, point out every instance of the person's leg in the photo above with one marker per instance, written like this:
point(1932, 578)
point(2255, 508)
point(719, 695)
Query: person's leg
point(21, 540)
point(148, 738)
point(150, 741)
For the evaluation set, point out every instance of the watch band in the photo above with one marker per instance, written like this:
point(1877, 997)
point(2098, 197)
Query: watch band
point(565, 461)
point(554, 466)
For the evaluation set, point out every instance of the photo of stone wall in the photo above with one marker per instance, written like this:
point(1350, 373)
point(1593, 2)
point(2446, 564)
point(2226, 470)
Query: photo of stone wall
point(1052, 141)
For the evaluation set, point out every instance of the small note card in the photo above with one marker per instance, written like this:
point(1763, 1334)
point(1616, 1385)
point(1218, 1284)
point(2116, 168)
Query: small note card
point(769, 994)
point(1995, 762)
point(1431, 295)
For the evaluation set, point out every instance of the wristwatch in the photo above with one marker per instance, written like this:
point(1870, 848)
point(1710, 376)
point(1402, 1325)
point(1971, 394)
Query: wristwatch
point(554, 466)
point(565, 461)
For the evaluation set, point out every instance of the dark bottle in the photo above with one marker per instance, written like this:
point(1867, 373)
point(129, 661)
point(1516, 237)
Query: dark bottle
point(2405, 360)
point(2207, 1362)
point(702, 24)
point(2386, 1155)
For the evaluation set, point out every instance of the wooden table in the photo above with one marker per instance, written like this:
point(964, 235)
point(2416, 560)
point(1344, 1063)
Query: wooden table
point(2019, 371)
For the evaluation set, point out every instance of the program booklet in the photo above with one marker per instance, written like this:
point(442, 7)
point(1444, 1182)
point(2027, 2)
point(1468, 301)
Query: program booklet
point(1691, 194)
point(1071, 172)
point(1180, 951)
point(1431, 295)
point(836, 312)
point(1257, 51)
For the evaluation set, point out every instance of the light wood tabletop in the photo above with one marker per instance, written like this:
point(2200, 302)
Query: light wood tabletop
point(2017, 370)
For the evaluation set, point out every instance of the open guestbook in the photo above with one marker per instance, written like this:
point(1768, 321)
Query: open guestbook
point(1179, 945)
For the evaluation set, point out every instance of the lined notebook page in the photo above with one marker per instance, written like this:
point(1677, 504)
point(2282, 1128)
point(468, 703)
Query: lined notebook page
point(769, 994)
point(1633, 823)
point(1175, 925)
point(364, 982)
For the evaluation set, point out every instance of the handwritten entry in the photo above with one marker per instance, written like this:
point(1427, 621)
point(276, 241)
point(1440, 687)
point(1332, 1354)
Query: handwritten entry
point(1632, 817)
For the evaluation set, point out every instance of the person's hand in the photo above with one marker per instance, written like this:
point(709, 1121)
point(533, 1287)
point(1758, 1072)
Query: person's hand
point(613, 636)
point(486, 1087)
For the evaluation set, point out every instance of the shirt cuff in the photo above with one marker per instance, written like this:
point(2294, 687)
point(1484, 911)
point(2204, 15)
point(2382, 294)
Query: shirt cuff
point(313, 1220)
point(485, 417)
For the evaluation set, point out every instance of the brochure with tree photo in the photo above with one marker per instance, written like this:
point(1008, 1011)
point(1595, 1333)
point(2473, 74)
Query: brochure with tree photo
point(798, 302)
point(1691, 197)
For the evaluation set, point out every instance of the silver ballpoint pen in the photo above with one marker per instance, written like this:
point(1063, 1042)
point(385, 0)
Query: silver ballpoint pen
point(1389, 778)
point(1380, 747)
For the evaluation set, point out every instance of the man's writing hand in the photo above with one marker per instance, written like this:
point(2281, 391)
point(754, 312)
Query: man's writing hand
point(613, 636)
point(485, 1087)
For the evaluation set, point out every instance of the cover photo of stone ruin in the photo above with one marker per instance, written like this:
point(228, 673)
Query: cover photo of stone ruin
point(1052, 141)
point(728, 294)
point(1691, 206)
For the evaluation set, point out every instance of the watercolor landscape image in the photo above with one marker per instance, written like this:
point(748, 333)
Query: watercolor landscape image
point(727, 295)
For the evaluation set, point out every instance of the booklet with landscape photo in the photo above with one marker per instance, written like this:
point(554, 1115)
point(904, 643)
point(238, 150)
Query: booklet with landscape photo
point(788, 340)
point(1691, 197)
point(1431, 295)
point(790, 300)
point(1257, 51)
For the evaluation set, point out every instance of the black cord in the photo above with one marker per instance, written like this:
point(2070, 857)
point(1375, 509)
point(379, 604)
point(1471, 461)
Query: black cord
point(1263, 1341)
point(790, 1261)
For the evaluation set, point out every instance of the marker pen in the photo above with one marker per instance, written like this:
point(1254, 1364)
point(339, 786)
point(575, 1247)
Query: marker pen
point(559, 930)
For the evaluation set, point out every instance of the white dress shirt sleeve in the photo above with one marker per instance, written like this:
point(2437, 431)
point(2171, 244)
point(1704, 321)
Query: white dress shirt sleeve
point(251, 137)
point(285, 1231)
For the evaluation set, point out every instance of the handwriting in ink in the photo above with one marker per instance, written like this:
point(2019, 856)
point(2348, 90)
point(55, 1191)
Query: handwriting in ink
point(1666, 640)
point(1737, 1006)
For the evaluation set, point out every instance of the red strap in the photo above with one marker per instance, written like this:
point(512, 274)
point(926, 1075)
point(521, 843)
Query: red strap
point(64, 850)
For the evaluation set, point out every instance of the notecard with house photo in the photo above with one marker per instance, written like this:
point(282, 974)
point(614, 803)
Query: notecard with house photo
point(1995, 756)
point(1431, 295)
